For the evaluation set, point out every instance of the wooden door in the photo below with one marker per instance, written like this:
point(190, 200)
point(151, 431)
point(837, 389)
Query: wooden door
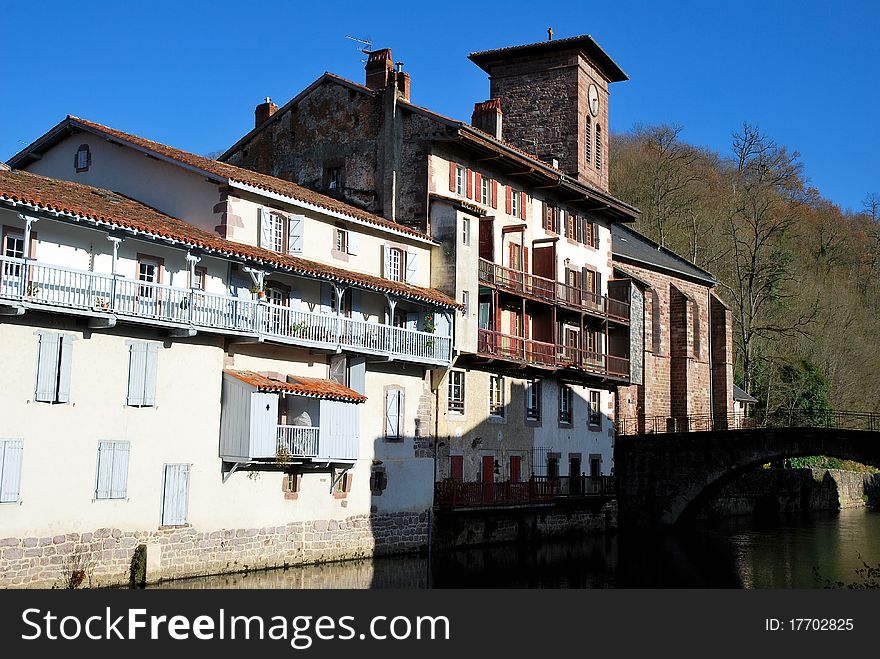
point(487, 240)
point(456, 468)
point(515, 469)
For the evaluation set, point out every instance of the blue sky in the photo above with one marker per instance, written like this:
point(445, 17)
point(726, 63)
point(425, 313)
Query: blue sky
point(189, 73)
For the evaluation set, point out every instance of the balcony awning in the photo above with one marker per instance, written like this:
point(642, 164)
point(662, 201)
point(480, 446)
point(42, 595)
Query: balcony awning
point(298, 385)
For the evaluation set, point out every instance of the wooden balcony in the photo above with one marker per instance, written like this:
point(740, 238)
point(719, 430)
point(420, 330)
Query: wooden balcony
point(26, 284)
point(491, 344)
point(554, 292)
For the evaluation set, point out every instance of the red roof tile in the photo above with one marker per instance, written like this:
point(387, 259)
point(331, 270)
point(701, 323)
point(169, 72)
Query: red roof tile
point(242, 175)
point(299, 385)
point(111, 208)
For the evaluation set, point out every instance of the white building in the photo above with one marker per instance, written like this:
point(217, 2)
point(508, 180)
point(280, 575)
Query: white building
point(232, 370)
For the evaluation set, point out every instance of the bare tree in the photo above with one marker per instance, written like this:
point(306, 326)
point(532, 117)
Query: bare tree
point(871, 206)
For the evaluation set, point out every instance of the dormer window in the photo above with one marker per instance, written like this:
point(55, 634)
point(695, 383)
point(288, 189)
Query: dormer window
point(83, 158)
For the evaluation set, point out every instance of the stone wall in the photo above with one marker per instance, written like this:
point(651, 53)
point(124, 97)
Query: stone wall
point(105, 554)
point(471, 528)
point(773, 491)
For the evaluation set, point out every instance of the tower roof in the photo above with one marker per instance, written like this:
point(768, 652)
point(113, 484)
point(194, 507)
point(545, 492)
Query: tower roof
point(487, 59)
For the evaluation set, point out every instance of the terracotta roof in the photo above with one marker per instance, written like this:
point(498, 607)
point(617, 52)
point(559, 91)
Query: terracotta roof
point(240, 174)
point(299, 385)
point(113, 209)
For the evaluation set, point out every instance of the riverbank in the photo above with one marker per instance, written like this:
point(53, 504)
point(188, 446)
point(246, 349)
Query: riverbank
point(792, 491)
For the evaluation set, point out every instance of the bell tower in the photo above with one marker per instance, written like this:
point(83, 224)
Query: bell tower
point(554, 96)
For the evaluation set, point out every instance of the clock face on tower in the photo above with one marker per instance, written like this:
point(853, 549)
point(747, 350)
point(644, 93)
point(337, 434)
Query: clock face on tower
point(593, 98)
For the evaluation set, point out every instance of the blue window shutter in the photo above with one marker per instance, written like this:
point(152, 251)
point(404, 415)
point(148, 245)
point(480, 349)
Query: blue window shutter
point(174, 497)
point(137, 369)
point(105, 470)
point(47, 367)
point(119, 474)
point(152, 360)
point(65, 359)
point(295, 234)
point(10, 470)
point(393, 407)
point(411, 260)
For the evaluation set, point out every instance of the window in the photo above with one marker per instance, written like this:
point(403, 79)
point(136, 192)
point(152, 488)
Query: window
point(13, 243)
point(83, 158)
point(565, 400)
point(570, 228)
point(496, 395)
point(341, 483)
point(514, 203)
point(460, 180)
point(333, 177)
point(456, 392)
point(378, 481)
point(551, 218)
point(142, 359)
point(395, 262)
point(466, 231)
point(486, 191)
point(339, 369)
point(595, 409)
point(175, 495)
point(394, 414)
point(200, 277)
point(112, 480)
point(695, 321)
point(271, 231)
point(466, 302)
point(598, 146)
point(588, 141)
point(10, 469)
point(341, 240)
point(53, 368)
point(295, 234)
point(533, 401)
point(13, 248)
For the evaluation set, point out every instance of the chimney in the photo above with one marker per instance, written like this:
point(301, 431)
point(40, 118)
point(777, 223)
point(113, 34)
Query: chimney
point(487, 117)
point(380, 68)
point(263, 111)
point(402, 84)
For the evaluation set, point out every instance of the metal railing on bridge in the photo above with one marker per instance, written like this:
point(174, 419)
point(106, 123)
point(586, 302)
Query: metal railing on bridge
point(540, 489)
point(832, 419)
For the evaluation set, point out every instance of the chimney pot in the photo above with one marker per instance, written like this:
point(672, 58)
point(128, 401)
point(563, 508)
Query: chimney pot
point(487, 117)
point(379, 68)
point(263, 111)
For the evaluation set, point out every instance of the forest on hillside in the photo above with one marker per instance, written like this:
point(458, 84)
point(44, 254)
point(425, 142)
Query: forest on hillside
point(800, 275)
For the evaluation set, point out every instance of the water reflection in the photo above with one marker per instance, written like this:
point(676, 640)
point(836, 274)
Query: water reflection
point(731, 553)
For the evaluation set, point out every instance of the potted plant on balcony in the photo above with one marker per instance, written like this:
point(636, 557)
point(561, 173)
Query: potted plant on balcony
point(259, 291)
point(429, 328)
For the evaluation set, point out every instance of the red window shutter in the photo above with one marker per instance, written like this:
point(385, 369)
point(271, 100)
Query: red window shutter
point(508, 205)
point(478, 187)
point(511, 263)
point(494, 193)
point(522, 205)
point(595, 235)
point(470, 184)
point(525, 264)
point(527, 320)
point(452, 169)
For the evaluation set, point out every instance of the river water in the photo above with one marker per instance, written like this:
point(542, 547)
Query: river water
point(739, 552)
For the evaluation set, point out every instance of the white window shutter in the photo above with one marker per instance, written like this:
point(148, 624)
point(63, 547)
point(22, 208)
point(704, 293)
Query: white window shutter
point(119, 474)
point(386, 261)
point(11, 451)
point(353, 242)
point(411, 259)
point(65, 359)
point(47, 367)
point(150, 372)
point(137, 369)
point(393, 409)
point(294, 300)
point(105, 470)
point(327, 294)
point(175, 494)
point(412, 321)
point(441, 324)
point(265, 232)
point(295, 234)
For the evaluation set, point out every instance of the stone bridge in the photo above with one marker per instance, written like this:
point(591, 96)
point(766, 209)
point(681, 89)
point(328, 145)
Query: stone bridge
point(664, 478)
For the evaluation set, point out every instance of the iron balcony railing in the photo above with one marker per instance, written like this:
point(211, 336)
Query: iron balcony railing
point(832, 419)
point(298, 441)
point(540, 490)
point(549, 355)
point(524, 283)
point(59, 287)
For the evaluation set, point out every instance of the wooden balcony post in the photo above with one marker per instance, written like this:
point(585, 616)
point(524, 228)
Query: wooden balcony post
point(25, 278)
point(115, 242)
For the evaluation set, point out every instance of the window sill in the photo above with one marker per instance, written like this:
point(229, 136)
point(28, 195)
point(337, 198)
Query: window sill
point(340, 256)
point(171, 527)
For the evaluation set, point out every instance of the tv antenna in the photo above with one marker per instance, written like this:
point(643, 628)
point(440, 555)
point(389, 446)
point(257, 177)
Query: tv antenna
point(367, 42)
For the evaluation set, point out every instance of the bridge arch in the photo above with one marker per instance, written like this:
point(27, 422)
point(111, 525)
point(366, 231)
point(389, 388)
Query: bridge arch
point(663, 480)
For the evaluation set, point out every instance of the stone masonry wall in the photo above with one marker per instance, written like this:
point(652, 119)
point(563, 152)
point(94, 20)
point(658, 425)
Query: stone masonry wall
point(172, 553)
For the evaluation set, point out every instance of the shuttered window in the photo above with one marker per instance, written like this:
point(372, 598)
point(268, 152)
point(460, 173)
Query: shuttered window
point(411, 267)
point(496, 395)
point(142, 366)
point(295, 234)
point(455, 402)
point(565, 403)
point(595, 417)
point(11, 451)
point(112, 480)
point(598, 146)
point(53, 368)
point(588, 142)
point(394, 414)
point(271, 231)
point(175, 495)
point(393, 267)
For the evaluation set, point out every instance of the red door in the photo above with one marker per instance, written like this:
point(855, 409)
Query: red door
point(457, 464)
point(515, 468)
point(488, 478)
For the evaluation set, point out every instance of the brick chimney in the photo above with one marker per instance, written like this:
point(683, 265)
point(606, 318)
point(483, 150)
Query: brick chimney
point(263, 111)
point(380, 68)
point(403, 85)
point(487, 117)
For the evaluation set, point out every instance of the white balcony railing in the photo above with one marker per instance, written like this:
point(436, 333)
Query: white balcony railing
point(298, 441)
point(56, 286)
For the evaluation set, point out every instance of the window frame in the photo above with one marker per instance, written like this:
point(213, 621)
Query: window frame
point(486, 191)
point(340, 240)
point(107, 449)
point(565, 404)
point(455, 404)
point(79, 164)
point(396, 272)
point(496, 396)
point(466, 231)
point(460, 180)
point(515, 199)
point(594, 414)
point(533, 400)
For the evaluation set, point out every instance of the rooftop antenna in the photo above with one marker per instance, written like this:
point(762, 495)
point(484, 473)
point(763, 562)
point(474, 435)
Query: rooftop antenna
point(365, 42)
point(549, 34)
